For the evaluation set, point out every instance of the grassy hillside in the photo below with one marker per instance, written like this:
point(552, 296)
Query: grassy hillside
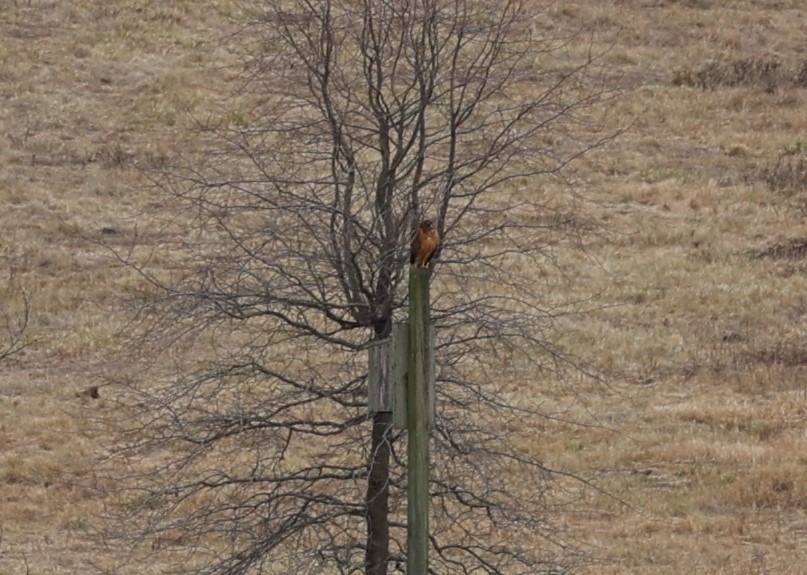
point(701, 277)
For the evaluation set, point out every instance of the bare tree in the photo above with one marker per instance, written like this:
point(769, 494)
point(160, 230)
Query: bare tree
point(364, 116)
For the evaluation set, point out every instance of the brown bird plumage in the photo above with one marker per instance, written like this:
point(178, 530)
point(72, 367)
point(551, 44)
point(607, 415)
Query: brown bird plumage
point(424, 245)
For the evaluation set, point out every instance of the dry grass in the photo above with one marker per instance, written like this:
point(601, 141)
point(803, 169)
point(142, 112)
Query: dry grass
point(702, 431)
point(769, 74)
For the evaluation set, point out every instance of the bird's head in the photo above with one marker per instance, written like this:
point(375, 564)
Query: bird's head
point(427, 225)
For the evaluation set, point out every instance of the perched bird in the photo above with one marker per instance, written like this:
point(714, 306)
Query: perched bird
point(424, 245)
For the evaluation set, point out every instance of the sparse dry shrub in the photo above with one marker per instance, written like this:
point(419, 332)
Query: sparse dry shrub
point(765, 72)
point(768, 487)
point(787, 173)
point(785, 354)
point(791, 249)
point(683, 77)
point(15, 317)
point(112, 156)
point(800, 77)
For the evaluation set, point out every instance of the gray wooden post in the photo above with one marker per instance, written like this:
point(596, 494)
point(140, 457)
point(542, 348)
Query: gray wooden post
point(417, 535)
point(399, 374)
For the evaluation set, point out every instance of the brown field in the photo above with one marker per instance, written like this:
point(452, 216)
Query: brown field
point(700, 279)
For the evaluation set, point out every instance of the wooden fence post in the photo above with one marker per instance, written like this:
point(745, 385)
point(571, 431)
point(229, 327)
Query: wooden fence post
point(417, 536)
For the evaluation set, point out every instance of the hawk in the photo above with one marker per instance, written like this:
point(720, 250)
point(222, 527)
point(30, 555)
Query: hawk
point(424, 245)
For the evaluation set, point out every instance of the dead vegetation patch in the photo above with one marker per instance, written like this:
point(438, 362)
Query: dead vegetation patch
point(795, 249)
point(786, 174)
point(782, 354)
point(759, 71)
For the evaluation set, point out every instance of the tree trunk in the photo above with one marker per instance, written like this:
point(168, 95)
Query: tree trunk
point(377, 552)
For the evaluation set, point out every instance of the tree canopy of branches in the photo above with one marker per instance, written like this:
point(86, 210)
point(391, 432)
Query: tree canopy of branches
point(363, 117)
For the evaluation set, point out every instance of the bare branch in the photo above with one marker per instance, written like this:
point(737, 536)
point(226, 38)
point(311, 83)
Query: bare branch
point(15, 319)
